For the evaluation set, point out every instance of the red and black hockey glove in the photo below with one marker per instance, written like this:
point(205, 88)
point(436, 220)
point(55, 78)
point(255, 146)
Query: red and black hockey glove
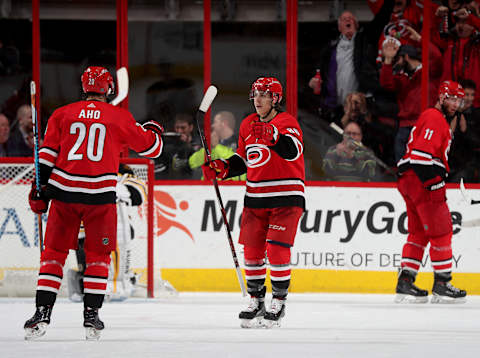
point(38, 202)
point(437, 190)
point(217, 168)
point(266, 132)
point(154, 126)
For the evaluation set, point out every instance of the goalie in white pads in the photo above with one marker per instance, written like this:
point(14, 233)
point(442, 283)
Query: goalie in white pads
point(131, 192)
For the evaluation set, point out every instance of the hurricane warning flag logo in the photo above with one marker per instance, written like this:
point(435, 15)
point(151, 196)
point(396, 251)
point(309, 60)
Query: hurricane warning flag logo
point(165, 213)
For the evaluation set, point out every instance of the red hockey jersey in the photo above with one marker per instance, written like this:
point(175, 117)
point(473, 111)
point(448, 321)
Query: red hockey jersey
point(428, 145)
point(273, 181)
point(81, 150)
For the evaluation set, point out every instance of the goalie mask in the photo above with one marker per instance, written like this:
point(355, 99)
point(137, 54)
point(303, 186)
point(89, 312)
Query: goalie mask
point(97, 79)
point(268, 85)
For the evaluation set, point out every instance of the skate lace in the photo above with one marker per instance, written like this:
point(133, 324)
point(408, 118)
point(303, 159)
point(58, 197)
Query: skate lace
point(253, 304)
point(42, 313)
point(452, 288)
point(276, 305)
point(90, 315)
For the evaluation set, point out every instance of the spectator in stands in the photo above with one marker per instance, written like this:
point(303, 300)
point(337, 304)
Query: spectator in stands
point(349, 160)
point(464, 157)
point(461, 48)
point(4, 134)
point(223, 140)
point(173, 163)
point(376, 135)
point(405, 82)
point(9, 58)
point(21, 135)
point(348, 63)
point(405, 14)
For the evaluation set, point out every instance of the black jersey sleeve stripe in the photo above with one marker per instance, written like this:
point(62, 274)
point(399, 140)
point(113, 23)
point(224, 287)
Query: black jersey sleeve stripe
point(236, 166)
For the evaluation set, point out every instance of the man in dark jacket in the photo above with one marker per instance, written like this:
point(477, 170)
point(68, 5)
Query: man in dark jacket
point(347, 64)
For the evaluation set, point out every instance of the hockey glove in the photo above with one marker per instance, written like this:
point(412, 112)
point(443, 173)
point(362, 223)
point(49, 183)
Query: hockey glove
point(154, 126)
point(217, 168)
point(266, 132)
point(437, 190)
point(38, 202)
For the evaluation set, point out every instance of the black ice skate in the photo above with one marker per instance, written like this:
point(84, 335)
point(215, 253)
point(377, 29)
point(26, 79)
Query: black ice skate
point(36, 326)
point(92, 323)
point(252, 316)
point(274, 316)
point(444, 292)
point(407, 292)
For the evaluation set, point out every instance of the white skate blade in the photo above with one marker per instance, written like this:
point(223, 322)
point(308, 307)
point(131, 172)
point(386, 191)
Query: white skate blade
point(447, 300)
point(252, 323)
point(403, 298)
point(92, 334)
point(37, 332)
point(268, 324)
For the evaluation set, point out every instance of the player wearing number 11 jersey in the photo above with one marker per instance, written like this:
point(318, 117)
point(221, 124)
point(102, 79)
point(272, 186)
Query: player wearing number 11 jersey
point(423, 170)
point(79, 160)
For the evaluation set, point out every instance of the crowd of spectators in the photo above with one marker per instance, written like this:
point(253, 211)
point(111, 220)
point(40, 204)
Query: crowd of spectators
point(371, 75)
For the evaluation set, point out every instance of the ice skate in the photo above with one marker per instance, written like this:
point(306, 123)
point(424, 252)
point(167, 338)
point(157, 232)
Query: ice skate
point(36, 326)
point(274, 316)
point(252, 316)
point(407, 292)
point(92, 323)
point(445, 292)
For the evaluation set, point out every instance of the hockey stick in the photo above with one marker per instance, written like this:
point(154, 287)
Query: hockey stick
point(465, 195)
point(36, 142)
point(122, 85)
point(339, 130)
point(471, 223)
point(204, 106)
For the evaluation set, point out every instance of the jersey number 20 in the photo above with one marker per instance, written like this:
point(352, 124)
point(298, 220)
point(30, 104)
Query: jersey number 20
point(95, 141)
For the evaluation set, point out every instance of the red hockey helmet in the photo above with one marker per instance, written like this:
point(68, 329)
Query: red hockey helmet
point(268, 85)
point(97, 80)
point(451, 89)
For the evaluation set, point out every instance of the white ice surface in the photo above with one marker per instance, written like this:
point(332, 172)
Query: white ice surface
point(206, 325)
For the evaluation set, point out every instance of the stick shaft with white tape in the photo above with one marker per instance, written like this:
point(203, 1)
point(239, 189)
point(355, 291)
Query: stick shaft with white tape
point(207, 100)
point(36, 157)
point(122, 86)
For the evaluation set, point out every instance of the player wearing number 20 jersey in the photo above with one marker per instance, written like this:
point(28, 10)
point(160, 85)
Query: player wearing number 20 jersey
point(79, 160)
point(82, 150)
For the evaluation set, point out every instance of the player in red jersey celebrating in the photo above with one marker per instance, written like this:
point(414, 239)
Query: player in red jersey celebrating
point(423, 170)
point(79, 160)
point(270, 151)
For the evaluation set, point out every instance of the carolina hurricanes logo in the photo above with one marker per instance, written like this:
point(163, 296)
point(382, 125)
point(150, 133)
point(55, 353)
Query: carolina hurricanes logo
point(257, 155)
point(165, 212)
point(397, 28)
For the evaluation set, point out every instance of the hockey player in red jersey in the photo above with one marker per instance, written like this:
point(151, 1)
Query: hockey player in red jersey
point(423, 170)
point(79, 159)
point(270, 151)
